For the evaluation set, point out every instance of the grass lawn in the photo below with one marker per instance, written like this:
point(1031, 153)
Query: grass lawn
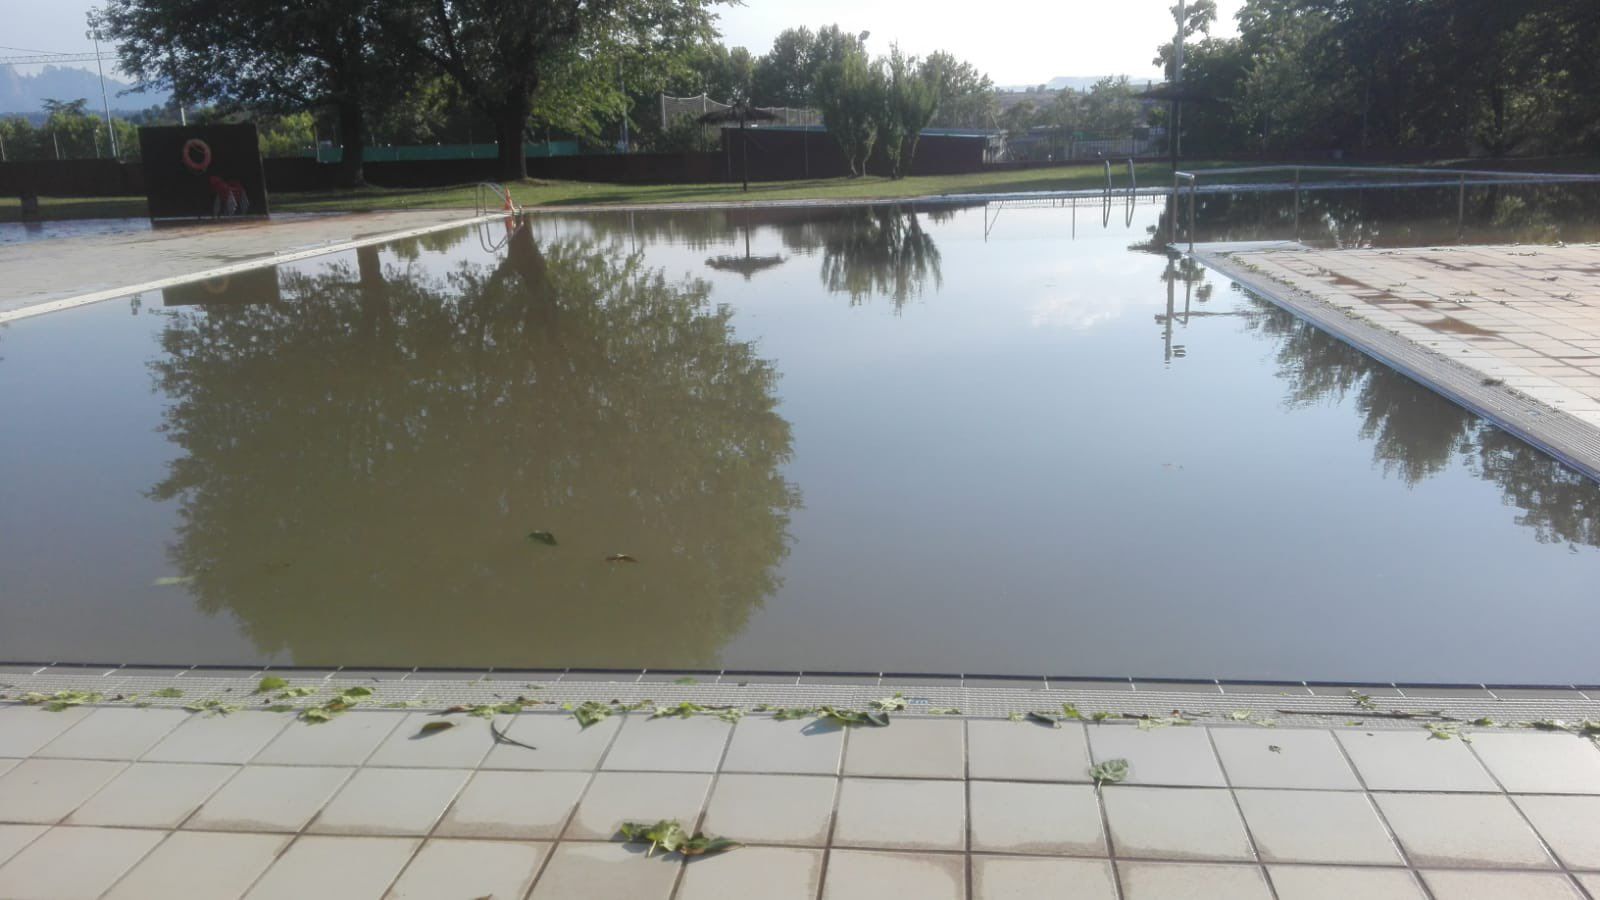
point(568, 193)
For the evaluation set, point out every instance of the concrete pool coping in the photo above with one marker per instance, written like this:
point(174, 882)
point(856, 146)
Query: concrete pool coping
point(1565, 436)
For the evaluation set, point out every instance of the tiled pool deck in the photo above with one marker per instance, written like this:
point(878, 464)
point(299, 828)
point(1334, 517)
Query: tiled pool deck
point(1512, 332)
point(161, 802)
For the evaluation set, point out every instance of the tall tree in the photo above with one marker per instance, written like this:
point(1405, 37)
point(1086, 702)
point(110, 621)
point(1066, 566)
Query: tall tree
point(850, 95)
point(910, 98)
point(266, 56)
point(966, 95)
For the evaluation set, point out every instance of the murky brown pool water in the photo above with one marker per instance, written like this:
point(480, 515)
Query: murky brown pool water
point(859, 439)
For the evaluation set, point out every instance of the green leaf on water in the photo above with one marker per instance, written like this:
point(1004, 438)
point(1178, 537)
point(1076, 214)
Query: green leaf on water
point(169, 693)
point(429, 728)
point(1112, 771)
point(542, 537)
point(271, 683)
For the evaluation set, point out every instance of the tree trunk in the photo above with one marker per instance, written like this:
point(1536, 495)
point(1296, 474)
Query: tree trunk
point(353, 143)
point(509, 125)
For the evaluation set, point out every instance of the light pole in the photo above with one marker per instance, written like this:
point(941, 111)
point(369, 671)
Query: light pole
point(94, 34)
point(1177, 87)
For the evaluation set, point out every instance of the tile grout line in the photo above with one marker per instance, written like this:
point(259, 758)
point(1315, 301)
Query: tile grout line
point(1561, 864)
point(1372, 801)
point(1238, 808)
point(566, 826)
point(1105, 818)
point(833, 814)
point(705, 806)
point(966, 801)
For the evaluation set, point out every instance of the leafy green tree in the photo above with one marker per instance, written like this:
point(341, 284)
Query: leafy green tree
point(850, 94)
point(966, 95)
point(910, 98)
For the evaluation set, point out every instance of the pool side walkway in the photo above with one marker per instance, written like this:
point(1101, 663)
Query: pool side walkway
point(1512, 332)
point(1281, 791)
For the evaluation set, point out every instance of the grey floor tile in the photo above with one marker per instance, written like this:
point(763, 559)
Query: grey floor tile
point(770, 873)
point(617, 797)
point(901, 814)
point(201, 865)
point(1344, 883)
point(669, 745)
point(1192, 881)
point(1591, 883)
point(1570, 825)
point(1023, 751)
point(1283, 758)
point(1317, 827)
point(1177, 756)
point(461, 747)
point(864, 875)
point(773, 809)
point(14, 837)
point(123, 734)
point(269, 798)
point(44, 791)
point(1536, 763)
point(349, 868)
point(494, 869)
point(219, 739)
point(152, 795)
point(390, 802)
point(1413, 761)
point(514, 804)
point(1175, 823)
point(559, 743)
point(73, 863)
point(346, 741)
point(1037, 878)
point(7, 765)
point(24, 729)
point(909, 748)
point(1467, 830)
point(795, 746)
point(1500, 886)
point(605, 872)
point(1028, 817)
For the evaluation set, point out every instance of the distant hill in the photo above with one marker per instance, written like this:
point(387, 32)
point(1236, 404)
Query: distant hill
point(1076, 82)
point(21, 93)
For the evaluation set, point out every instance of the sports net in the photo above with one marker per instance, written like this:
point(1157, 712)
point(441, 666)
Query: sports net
point(675, 108)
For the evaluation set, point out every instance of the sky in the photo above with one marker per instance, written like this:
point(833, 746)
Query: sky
point(1014, 41)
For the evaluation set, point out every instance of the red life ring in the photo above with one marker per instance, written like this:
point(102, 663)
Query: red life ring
point(204, 162)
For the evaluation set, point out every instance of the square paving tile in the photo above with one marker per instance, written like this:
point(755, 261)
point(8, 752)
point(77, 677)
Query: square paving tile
point(72, 863)
point(773, 809)
point(349, 868)
point(1175, 823)
point(201, 865)
point(560, 742)
point(14, 837)
point(1591, 883)
point(617, 797)
point(152, 795)
point(511, 804)
point(901, 814)
point(1317, 826)
point(1024, 878)
point(219, 739)
point(269, 798)
point(390, 801)
point(346, 741)
point(669, 745)
point(770, 873)
point(910, 748)
point(1466, 830)
point(1176, 756)
point(1028, 817)
point(1413, 761)
point(1541, 763)
point(1344, 883)
point(862, 875)
point(43, 791)
point(796, 746)
point(1023, 751)
point(605, 872)
point(1169, 881)
point(1570, 825)
point(1500, 886)
point(24, 729)
point(115, 734)
point(495, 869)
point(7, 765)
point(1283, 758)
point(461, 747)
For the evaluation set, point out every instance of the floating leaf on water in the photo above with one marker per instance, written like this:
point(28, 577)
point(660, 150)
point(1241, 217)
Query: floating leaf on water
point(429, 728)
point(1112, 771)
point(169, 693)
point(620, 558)
point(172, 580)
point(542, 537)
point(271, 683)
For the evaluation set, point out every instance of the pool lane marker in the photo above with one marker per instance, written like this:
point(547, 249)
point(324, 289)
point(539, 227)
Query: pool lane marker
point(50, 306)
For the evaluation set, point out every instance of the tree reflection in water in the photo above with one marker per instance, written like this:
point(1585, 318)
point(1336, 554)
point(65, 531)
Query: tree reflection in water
point(879, 251)
point(363, 462)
